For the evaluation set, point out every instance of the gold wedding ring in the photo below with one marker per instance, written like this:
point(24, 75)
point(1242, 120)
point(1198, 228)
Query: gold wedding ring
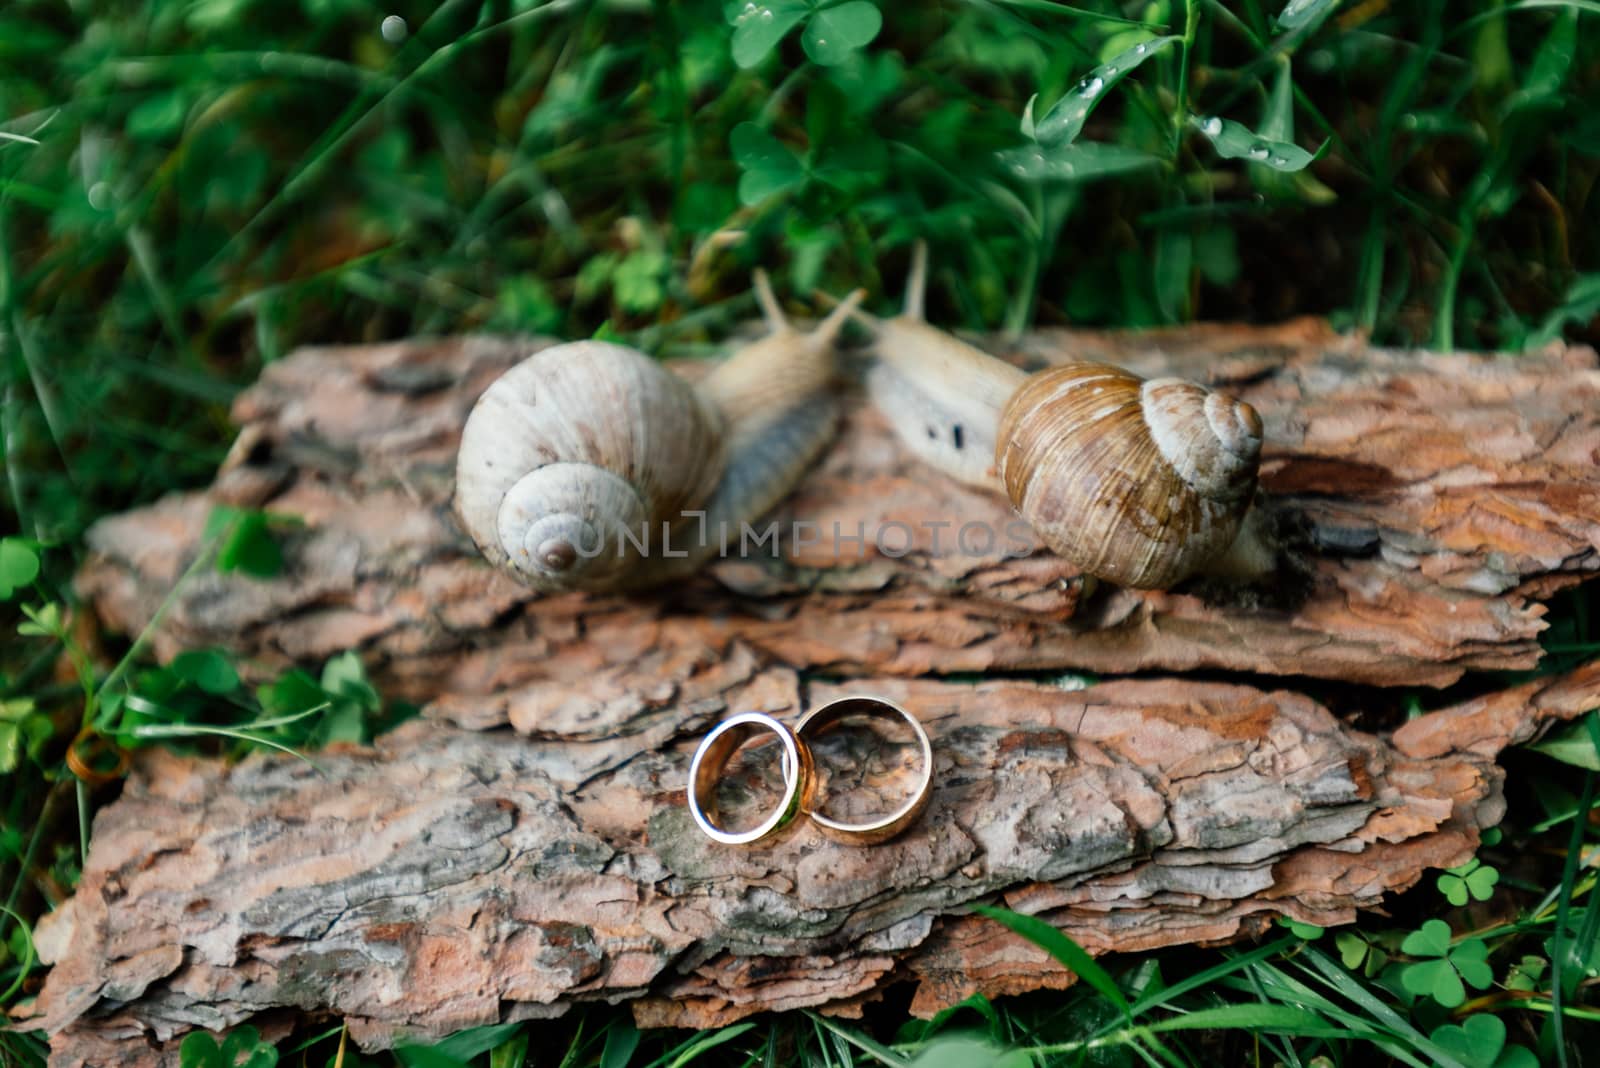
point(820, 721)
point(717, 751)
point(711, 761)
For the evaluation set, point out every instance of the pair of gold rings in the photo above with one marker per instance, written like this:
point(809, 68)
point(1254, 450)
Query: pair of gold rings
point(711, 762)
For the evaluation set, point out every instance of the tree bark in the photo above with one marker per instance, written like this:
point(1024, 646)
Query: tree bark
point(459, 873)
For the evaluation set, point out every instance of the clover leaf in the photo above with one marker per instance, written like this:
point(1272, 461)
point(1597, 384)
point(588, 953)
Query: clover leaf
point(22, 729)
point(246, 544)
point(1473, 880)
point(1479, 1041)
point(1309, 931)
point(833, 31)
point(769, 166)
point(1442, 976)
point(1526, 973)
point(242, 1048)
point(1356, 952)
point(207, 669)
point(19, 566)
point(757, 28)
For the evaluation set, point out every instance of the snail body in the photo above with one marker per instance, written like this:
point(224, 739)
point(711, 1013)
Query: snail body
point(1141, 483)
point(589, 466)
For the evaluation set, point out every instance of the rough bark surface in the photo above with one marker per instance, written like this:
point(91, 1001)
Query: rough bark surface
point(446, 878)
point(459, 873)
point(1430, 500)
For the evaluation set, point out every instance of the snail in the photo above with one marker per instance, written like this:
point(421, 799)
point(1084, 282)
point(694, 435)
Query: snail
point(589, 466)
point(1140, 483)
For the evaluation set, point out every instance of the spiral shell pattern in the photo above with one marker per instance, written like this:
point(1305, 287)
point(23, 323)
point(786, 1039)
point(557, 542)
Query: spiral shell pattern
point(575, 445)
point(1138, 482)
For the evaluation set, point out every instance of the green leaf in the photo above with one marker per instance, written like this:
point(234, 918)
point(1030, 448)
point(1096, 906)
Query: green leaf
point(1064, 122)
point(769, 167)
point(1553, 60)
point(1261, 1016)
point(1481, 883)
point(1574, 745)
point(1070, 955)
point(835, 32)
point(966, 1051)
point(463, 1046)
point(207, 669)
point(526, 303)
point(248, 546)
point(1234, 140)
point(1477, 1040)
point(709, 1041)
point(512, 1053)
point(1080, 162)
point(199, 1050)
point(44, 621)
point(1431, 940)
point(851, 162)
point(1435, 979)
point(1471, 960)
point(1526, 973)
point(637, 283)
point(977, 1003)
point(19, 566)
point(622, 1038)
point(1517, 1057)
point(1352, 949)
point(757, 28)
point(158, 116)
point(1297, 13)
point(243, 1048)
point(345, 676)
point(1454, 889)
point(10, 747)
point(1277, 120)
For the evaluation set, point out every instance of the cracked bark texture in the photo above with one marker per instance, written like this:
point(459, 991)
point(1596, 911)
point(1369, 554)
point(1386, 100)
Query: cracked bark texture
point(459, 872)
point(445, 878)
point(1432, 501)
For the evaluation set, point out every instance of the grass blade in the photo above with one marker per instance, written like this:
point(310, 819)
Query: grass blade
point(1068, 953)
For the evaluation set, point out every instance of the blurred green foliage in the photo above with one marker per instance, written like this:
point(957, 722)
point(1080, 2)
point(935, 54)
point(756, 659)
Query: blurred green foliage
point(191, 188)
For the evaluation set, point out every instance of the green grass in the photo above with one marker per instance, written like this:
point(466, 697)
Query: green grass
point(189, 190)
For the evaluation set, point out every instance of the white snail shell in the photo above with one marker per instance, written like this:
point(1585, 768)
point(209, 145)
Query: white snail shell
point(574, 445)
point(577, 464)
point(1141, 483)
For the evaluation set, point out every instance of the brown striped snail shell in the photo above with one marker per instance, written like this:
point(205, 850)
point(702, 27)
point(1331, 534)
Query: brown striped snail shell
point(1140, 483)
point(589, 466)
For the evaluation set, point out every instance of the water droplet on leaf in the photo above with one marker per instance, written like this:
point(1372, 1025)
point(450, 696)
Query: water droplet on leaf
point(394, 29)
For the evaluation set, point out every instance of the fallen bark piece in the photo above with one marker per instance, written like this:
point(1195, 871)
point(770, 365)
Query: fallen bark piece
point(1433, 499)
point(445, 878)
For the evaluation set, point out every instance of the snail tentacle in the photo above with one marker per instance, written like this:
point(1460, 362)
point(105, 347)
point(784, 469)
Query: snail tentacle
point(1140, 483)
point(589, 466)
